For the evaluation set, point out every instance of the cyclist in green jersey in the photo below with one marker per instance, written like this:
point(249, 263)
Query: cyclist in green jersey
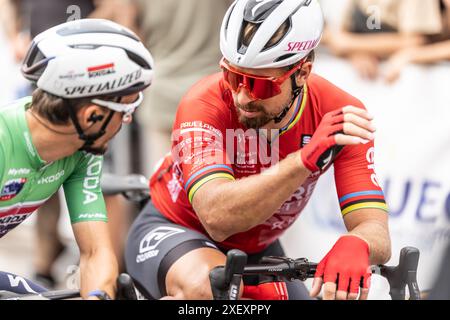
point(90, 75)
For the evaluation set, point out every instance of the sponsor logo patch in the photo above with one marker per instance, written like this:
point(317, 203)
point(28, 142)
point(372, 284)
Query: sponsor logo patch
point(71, 75)
point(302, 45)
point(148, 246)
point(306, 138)
point(100, 71)
point(107, 86)
point(51, 179)
point(12, 189)
point(19, 172)
point(9, 222)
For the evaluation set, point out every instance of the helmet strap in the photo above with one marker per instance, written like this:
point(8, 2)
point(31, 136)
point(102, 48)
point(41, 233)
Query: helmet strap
point(296, 91)
point(90, 139)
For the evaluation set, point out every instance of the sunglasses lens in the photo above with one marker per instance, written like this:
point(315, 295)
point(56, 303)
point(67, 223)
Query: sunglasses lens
point(265, 89)
point(233, 79)
point(258, 88)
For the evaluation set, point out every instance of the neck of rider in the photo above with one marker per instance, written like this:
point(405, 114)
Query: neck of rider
point(282, 124)
point(55, 142)
point(300, 78)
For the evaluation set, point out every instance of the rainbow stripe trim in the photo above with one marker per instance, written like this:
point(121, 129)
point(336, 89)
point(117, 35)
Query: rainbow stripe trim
point(205, 175)
point(299, 114)
point(212, 176)
point(363, 199)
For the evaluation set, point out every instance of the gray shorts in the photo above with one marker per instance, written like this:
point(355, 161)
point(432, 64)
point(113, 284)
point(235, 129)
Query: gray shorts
point(155, 243)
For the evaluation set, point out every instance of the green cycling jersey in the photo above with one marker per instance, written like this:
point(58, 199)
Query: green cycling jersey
point(26, 181)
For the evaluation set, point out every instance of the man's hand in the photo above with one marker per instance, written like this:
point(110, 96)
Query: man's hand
point(366, 65)
point(345, 267)
point(347, 126)
point(396, 63)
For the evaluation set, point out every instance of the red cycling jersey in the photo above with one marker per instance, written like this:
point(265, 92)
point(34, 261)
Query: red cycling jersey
point(209, 143)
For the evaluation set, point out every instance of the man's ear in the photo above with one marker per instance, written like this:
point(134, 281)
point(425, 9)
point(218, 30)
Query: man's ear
point(304, 73)
point(90, 115)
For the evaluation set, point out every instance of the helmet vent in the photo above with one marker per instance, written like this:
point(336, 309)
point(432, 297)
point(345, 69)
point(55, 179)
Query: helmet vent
point(34, 64)
point(229, 17)
point(257, 11)
point(138, 60)
point(35, 55)
point(85, 46)
point(245, 38)
point(285, 57)
point(279, 35)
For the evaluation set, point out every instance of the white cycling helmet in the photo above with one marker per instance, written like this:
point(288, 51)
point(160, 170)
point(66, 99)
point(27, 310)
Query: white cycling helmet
point(88, 58)
point(305, 20)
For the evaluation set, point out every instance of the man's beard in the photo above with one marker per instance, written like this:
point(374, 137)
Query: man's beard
point(257, 122)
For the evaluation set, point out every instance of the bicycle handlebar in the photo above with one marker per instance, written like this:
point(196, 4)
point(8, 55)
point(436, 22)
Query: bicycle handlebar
point(285, 268)
point(224, 279)
point(402, 275)
point(125, 288)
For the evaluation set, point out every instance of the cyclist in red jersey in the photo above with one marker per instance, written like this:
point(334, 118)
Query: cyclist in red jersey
point(249, 145)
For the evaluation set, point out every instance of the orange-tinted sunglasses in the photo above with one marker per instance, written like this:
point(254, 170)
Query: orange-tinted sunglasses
point(259, 87)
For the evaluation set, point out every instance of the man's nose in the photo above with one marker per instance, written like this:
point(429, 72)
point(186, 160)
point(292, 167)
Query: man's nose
point(244, 97)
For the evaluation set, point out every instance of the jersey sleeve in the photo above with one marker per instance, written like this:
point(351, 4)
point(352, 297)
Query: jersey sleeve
point(354, 171)
point(199, 139)
point(356, 182)
point(83, 191)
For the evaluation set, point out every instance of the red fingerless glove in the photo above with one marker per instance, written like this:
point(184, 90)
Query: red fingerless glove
point(267, 291)
point(347, 263)
point(320, 152)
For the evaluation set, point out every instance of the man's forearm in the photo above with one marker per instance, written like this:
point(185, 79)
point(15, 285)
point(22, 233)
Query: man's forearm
point(98, 271)
point(380, 45)
point(240, 205)
point(431, 53)
point(377, 236)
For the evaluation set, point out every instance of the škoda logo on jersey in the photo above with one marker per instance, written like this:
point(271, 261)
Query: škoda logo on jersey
point(12, 189)
point(103, 70)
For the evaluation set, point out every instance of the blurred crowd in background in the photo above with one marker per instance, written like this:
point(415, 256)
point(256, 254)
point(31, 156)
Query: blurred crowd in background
point(378, 39)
